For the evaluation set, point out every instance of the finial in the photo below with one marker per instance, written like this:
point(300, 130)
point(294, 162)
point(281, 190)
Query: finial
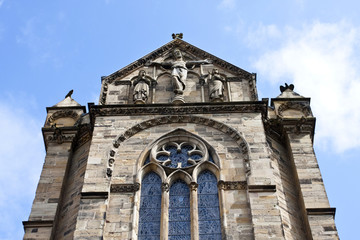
point(69, 93)
point(177, 35)
point(291, 87)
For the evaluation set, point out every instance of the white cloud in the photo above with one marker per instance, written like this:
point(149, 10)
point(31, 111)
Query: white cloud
point(21, 158)
point(322, 60)
point(1, 2)
point(227, 4)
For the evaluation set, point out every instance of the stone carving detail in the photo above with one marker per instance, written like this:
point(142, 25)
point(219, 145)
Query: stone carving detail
point(238, 185)
point(124, 188)
point(141, 88)
point(59, 137)
point(179, 44)
point(165, 187)
point(104, 93)
point(61, 114)
point(252, 86)
point(109, 172)
point(179, 69)
point(301, 106)
point(177, 35)
point(216, 86)
point(185, 110)
point(180, 153)
point(193, 186)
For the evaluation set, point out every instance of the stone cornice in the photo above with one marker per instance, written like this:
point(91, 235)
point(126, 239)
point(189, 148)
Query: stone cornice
point(169, 109)
point(184, 46)
point(65, 108)
point(321, 211)
point(37, 224)
point(279, 127)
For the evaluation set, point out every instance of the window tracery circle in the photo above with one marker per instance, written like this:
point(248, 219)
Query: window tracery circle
point(179, 152)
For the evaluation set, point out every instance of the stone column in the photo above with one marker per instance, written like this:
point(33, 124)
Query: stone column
point(194, 211)
point(164, 224)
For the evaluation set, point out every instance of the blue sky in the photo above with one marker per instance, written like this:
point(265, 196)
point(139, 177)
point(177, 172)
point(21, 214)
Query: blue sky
point(50, 47)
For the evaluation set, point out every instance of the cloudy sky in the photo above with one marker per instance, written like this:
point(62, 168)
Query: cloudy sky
point(50, 47)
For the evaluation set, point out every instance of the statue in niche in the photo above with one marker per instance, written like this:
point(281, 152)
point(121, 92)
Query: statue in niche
point(216, 85)
point(141, 88)
point(179, 69)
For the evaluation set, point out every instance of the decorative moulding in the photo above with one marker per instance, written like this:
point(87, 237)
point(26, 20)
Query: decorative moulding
point(124, 187)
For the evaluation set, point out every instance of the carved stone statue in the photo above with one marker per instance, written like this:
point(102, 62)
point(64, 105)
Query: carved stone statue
point(141, 88)
point(179, 69)
point(216, 85)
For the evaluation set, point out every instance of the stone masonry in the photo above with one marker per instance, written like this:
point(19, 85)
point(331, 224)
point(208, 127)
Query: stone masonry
point(268, 181)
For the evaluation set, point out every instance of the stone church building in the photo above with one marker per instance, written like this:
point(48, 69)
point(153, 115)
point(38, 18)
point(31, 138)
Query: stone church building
point(180, 147)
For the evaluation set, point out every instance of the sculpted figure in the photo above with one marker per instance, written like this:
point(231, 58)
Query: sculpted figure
point(216, 85)
point(141, 88)
point(179, 69)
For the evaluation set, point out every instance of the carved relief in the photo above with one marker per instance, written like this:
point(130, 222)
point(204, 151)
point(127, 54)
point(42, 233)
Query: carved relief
point(216, 86)
point(238, 185)
point(177, 43)
point(141, 88)
point(59, 137)
point(124, 188)
point(61, 114)
point(193, 186)
point(170, 109)
point(301, 106)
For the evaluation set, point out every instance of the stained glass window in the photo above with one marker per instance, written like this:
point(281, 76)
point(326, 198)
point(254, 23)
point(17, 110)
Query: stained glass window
point(179, 154)
point(208, 207)
point(150, 207)
point(179, 211)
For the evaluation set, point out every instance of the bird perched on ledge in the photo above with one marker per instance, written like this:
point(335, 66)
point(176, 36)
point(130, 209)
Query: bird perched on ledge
point(69, 93)
point(291, 87)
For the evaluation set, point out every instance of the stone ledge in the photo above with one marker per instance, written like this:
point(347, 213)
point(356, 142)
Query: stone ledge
point(37, 224)
point(321, 211)
point(94, 195)
point(262, 188)
point(186, 108)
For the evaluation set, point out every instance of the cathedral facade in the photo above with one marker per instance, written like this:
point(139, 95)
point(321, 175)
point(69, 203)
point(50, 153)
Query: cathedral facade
point(180, 147)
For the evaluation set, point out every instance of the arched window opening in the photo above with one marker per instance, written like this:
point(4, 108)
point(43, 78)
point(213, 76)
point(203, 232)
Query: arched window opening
point(150, 207)
point(208, 207)
point(179, 211)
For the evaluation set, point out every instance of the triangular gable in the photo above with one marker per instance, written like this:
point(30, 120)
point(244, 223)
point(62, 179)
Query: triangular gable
point(184, 46)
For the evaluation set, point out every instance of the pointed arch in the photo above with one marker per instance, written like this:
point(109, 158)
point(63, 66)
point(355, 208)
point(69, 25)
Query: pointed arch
point(206, 166)
point(151, 167)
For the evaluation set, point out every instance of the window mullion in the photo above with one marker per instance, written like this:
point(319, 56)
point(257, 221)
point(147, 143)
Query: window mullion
point(194, 211)
point(164, 224)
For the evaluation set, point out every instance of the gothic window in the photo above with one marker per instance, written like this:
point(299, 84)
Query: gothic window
point(208, 207)
point(150, 207)
point(184, 185)
point(179, 211)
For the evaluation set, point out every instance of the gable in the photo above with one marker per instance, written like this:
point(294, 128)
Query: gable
point(158, 86)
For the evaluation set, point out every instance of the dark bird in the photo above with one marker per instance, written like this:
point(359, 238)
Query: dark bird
point(69, 93)
point(291, 87)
